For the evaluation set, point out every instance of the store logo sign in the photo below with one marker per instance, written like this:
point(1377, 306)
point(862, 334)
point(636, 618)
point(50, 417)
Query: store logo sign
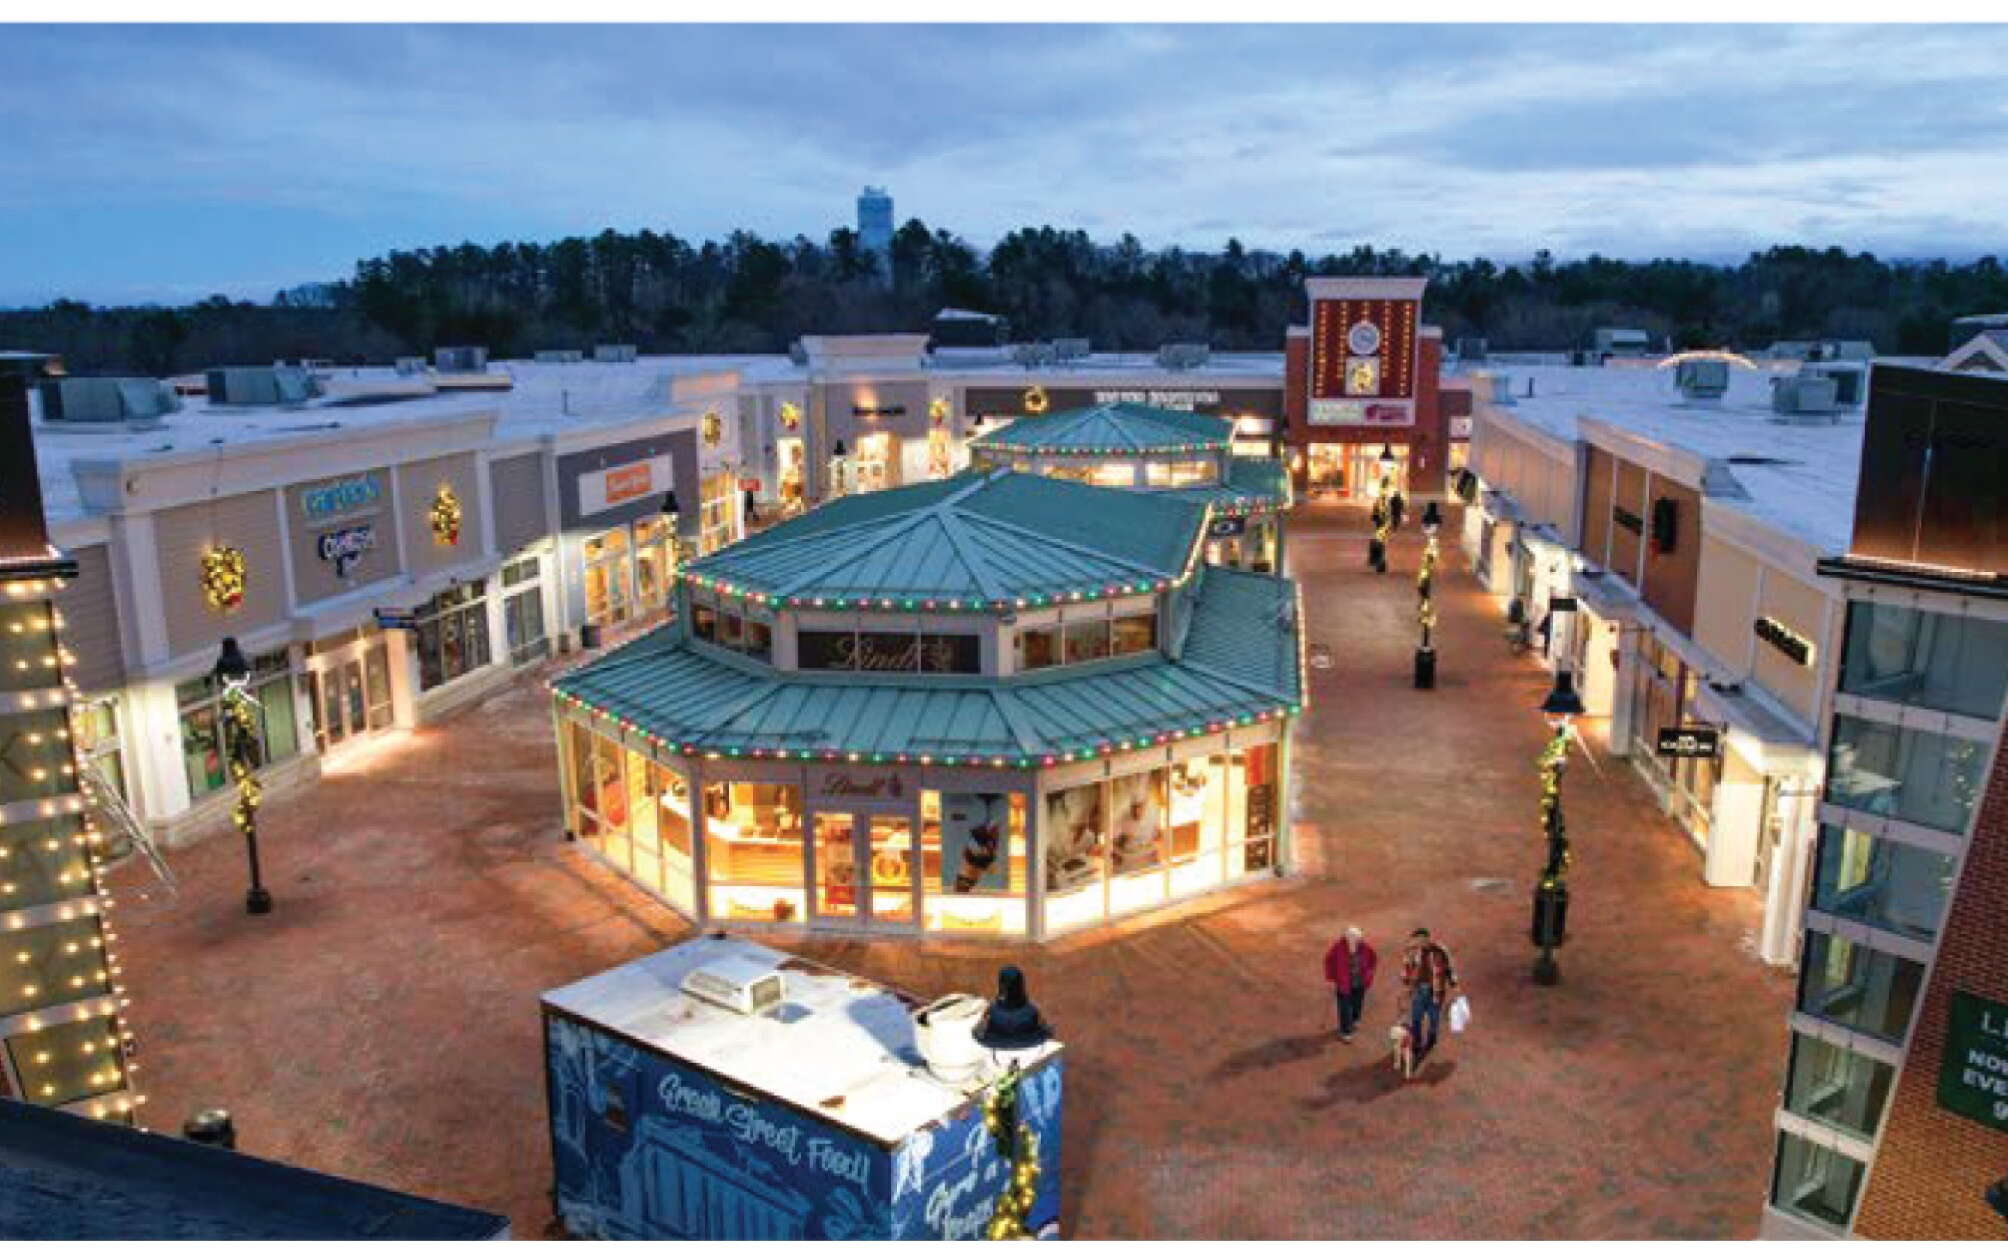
point(1973, 1070)
point(629, 482)
point(1160, 399)
point(1688, 742)
point(341, 497)
point(878, 410)
point(887, 786)
point(1796, 647)
point(1628, 519)
point(343, 548)
point(603, 489)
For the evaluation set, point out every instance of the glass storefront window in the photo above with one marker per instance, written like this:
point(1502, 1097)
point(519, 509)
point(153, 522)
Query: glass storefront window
point(452, 636)
point(609, 589)
point(1833, 1085)
point(1075, 837)
point(1882, 882)
point(1815, 1182)
point(973, 874)
point(1909, 774)
point(718, 521)
point(1857, 986)
point(755, 852)
point(1087, 641)
point(95, 724)
point(1038, 648)
point(1133, 634)
point(654, 567)
point(729, 629)
point(1196, 824)
point(1136, 842)
point(204, 757)
point(1180, 473)
point(1938, 661)
point(672, 819)
point(1254, 791)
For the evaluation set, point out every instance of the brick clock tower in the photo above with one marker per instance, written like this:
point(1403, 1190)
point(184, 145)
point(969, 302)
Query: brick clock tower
point(1361, 381)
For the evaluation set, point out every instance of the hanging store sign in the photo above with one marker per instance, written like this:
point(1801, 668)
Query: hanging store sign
point(1796, 647)
point(602, 489)
point(1628, 519)
point(1460, 428)
point(1226, 527)
point(395, 619)
point(343, 548)
point(1688, 742)
point(1973, 1070)
point(341, 497)
point(975, 839)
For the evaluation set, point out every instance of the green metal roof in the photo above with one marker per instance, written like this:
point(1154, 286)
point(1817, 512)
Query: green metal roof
point(991, 540)
point(1106, 429)
point(1254, 485)
point(1241, 663)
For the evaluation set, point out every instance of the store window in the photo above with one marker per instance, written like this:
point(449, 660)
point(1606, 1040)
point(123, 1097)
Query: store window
point(95, 723)
point(523, 610)
point(452, 637)
point(1038, 648)
point(1857, 986)
point(920, 652)
point(1833, 1085)
point(1883, 883)
point(1136, 842)
point(1815, 1182)
point(1909, 774)
point(1129, 635)
point(1254, 789)
point(1075, 838)
point(872, 467)
point(1086, 641)
point(1938, 661)
point(654, 563)
point(609, 589)
point(728, 628)
point(973, 850)
point(673, 832)
point(718, 523)
point(1180, 473)
point(755, 854)
point(200, 701)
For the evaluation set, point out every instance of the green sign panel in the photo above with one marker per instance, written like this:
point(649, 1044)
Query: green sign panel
point(1973, 1077)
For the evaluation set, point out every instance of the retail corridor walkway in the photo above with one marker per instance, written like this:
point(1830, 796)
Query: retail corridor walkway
point(382, 1021)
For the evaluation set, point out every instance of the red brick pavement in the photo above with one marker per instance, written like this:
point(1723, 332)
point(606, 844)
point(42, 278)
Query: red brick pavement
point(382, 1022)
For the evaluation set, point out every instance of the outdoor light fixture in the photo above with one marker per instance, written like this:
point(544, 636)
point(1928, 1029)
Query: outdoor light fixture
point(1425, 609)
point(1012, 1021)
point(1387, 457)
point(240, 745)
point(1551, 892)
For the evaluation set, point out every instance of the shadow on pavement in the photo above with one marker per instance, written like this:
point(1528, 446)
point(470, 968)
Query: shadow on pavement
point(1275, 1052)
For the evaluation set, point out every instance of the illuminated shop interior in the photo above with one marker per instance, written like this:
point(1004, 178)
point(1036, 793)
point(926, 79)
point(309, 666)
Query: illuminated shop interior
point(956, 707)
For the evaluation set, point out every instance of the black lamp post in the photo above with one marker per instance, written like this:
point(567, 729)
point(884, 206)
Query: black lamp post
point(1551, 893)
point(1425, 611)
point(240, 744)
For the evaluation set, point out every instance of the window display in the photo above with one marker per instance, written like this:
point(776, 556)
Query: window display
point(452, 636)
point(753, 846)
point(609, 593)
point(206, 763)
point(654, 563)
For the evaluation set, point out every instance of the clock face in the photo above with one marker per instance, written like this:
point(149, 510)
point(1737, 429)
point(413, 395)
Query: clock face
point(1364, 339)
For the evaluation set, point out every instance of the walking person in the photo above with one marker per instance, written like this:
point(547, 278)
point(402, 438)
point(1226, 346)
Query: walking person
point(1427, 972)
point(1349, 967)
point(1397, 508)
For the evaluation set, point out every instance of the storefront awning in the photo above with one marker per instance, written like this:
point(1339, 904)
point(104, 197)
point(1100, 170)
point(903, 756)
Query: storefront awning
point(1605, 595)
point(1769, 741)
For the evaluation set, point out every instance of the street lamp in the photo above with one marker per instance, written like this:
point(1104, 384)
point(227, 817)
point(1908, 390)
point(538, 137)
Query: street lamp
point(240, 744)
point(1425, 610)
point(1551, 893)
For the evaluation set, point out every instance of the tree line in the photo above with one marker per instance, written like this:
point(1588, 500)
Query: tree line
point(750, 294)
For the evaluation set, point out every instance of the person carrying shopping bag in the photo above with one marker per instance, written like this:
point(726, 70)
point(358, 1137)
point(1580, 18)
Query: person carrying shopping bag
point(1430, 977)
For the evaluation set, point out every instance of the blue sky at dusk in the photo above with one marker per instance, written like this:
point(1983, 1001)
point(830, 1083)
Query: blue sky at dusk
point(166, 163)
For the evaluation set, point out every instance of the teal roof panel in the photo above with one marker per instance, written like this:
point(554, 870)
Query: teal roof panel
point(1254, 485)
point(1109, 428)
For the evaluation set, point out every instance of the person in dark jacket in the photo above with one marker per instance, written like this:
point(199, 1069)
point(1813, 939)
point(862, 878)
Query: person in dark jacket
point(1430, 978)
point(1397, 508)
point(1349, 967)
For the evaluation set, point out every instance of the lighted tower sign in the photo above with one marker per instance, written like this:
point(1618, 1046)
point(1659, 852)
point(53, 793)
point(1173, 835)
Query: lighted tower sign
point(1364, 351)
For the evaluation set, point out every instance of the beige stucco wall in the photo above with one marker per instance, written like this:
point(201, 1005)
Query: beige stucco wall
point(1799, 606)
point(417, 483)
point(1727, 590)
point(248, 522)
point(1737, 588)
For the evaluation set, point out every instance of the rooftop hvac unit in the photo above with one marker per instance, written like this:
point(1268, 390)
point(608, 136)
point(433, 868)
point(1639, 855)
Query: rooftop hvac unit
point(1850, 382)
point(1806, 397)
point(410, 365)
point(560, 356)
point(615, 353)
point(1702, 382)
point(106, 400)
point(1031, 354)
point(1184, 356)
point(262, 385)
point(1069, 349)
point(1471, 348)
point(1502, 389)
point(797, 353)
point(740, 984)
point(461, 360)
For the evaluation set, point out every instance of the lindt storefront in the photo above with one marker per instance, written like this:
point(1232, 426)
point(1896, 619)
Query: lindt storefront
point(943, 709)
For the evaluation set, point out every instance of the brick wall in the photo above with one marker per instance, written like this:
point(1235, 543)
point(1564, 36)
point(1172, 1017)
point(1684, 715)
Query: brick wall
point(1932, 1167)
point(1429, 444)
point(1296, 388)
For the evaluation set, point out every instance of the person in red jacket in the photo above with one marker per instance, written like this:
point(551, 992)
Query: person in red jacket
point(1349, 967)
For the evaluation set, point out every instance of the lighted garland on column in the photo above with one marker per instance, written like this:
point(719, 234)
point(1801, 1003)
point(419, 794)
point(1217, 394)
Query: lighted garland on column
point(1018, 1144)
point(1383, 515)
point(1553, 759)
point(1425, 609)
point(239, 711)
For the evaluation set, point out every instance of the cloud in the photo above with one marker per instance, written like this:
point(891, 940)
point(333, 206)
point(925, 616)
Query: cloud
point(177, 158)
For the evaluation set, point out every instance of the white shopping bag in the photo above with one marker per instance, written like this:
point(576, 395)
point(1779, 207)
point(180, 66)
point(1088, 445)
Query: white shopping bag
point(1460, 1015)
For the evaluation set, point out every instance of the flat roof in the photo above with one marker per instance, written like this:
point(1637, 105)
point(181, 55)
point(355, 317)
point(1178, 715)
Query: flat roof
point(840, 1048)
point(1799, 478)
point(63, 1176)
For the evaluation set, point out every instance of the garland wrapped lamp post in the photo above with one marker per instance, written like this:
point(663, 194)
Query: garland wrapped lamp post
point(240, 735)
point(1425, 610)
point(1383, 512)
point(1551, 893)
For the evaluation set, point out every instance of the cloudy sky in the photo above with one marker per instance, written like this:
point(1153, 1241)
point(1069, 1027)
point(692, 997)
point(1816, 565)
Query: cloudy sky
point(167, 163)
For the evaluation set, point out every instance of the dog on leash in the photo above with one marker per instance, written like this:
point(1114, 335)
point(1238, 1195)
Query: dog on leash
point(1403, 1049)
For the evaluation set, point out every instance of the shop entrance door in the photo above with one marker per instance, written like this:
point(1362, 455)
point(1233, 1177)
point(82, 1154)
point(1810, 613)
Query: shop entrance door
point(349, 693)
point(867, 871)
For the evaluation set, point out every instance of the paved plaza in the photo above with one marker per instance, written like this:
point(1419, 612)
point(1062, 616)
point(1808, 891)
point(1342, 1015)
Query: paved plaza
point(382, 1022)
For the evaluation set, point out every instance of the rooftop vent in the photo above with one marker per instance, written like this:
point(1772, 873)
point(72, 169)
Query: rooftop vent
point(1031, 354)
point(1070, 349)
point(1184, 356)
point(1850, 380)
point(142, 400)
point(1702, 381)
point(461, 360)
point(560, 356)
point(797, 353)
point(1471, 348)
point(409, 365)
point(262, 385)
point(615, 353)
point(1502, 388)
